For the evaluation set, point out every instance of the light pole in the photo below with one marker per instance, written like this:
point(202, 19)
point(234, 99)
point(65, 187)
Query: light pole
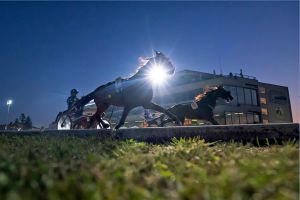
point(9, 103)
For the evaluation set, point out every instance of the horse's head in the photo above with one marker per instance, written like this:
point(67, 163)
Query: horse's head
point(161, 61)
point(158, 68)
point(220, 92)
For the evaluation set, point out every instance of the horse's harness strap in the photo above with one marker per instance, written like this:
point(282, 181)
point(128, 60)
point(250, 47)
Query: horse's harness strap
point(194, 105)
point(118, 85)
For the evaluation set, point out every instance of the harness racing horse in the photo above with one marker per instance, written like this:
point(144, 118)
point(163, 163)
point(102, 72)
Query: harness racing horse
point(129, 92)
point(202, 108)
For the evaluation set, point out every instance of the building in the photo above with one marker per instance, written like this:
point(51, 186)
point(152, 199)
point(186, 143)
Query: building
point(254, 101)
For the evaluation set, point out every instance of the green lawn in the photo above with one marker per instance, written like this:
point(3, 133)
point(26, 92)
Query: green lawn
point(87, 168)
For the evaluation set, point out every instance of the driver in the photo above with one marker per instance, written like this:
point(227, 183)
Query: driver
point(73, 98)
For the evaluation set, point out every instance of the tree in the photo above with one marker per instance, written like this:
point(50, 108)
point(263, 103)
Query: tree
point(28, 122)
point(22, 118)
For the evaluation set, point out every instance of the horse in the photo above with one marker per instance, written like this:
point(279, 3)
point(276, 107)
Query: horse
point(129, 92)
point(202, 108)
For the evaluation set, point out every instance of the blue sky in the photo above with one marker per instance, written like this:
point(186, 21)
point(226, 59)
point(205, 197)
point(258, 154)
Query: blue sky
point(48, 48)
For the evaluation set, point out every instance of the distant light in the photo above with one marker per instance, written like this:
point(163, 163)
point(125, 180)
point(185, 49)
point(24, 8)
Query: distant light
point(157, 75)
point(9, 102)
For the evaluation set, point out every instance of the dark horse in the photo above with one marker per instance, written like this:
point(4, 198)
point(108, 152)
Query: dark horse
point(129, 92)
point(202, 108)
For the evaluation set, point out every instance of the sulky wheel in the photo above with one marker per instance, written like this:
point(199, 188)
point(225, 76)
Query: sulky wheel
point(64, 122)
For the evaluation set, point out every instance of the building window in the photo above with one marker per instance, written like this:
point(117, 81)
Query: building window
point(219, 118)
point(253, 118)
point(240, 94)
point(243, 119)
point(234, 95)
point(235, 118)
point(254, 97)
point(228, 118)
point(263, 101)
point(262, 90)
point(232, 91)
point(250, 118)
point(240, 118)
point(264, 111)
point(248, 98)
point(256, 118)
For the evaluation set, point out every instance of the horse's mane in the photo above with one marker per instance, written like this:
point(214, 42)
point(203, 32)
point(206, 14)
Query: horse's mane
point(207, 91)
point(142, 63)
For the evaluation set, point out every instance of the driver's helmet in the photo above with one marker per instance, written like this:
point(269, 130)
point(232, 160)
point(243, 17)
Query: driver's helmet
point(74, 92)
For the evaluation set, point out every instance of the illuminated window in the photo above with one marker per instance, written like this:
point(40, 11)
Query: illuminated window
point(187, 121)
point(228, 118)
point(264, 111)
point(243, 119)
point(263, 100)
point(265, 121)
point(219, 118)
point(256, 118)
point(250, 118)
point(235, 118)
point(253, 118)
point(262, 90)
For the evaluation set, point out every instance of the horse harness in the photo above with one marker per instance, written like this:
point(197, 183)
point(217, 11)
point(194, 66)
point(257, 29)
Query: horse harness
point(119, 85)
point(194, 106)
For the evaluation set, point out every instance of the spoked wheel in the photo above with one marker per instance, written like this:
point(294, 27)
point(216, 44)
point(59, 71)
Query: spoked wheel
point(64, 122)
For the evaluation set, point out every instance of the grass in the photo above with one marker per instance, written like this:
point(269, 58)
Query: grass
point(87, 168)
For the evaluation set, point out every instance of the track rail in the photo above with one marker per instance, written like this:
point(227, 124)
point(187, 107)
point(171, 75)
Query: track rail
point(247, 132)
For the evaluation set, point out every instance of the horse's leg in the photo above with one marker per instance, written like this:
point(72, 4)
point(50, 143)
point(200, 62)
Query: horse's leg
point(156, 107)
point(91, 122)
point(104, 124)
point(99, 119)
point(123, 118)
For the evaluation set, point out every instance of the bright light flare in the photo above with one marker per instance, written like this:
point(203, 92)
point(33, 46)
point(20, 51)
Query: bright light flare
point(9, 102)
point(158, 75)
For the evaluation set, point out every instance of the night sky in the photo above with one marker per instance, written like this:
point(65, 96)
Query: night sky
point(48, 48)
